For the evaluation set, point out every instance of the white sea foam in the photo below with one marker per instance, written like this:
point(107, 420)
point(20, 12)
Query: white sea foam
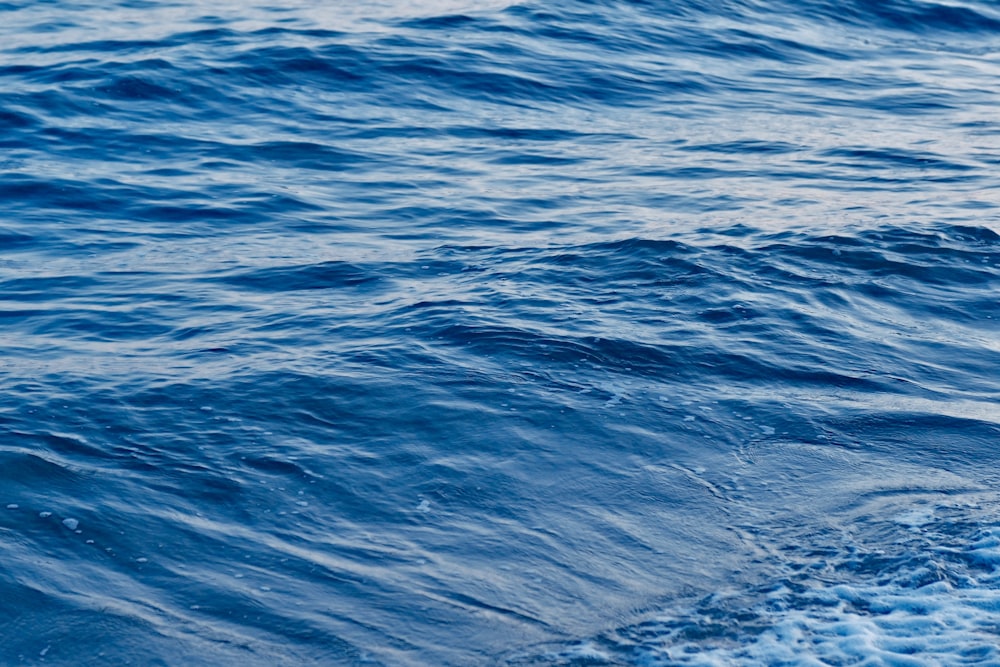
point(899, 579)
point(872, 625)
point(940, 607)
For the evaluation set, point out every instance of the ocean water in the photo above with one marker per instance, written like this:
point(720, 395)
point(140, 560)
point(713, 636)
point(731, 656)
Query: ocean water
point(447, 333)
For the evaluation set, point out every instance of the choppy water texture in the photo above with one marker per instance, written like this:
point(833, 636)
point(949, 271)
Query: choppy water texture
point(514, 333)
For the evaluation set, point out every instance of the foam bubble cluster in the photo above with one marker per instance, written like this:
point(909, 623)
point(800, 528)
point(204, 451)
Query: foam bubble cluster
point(939, 607)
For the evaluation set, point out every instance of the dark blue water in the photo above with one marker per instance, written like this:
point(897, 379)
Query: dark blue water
point(499, 333)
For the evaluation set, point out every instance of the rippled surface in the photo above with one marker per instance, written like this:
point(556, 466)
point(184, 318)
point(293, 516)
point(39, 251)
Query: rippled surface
point(462, 333)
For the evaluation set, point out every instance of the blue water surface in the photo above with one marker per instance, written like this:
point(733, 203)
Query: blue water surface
point(499, 333)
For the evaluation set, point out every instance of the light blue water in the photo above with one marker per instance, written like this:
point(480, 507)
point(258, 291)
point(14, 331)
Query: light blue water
point(456, 333)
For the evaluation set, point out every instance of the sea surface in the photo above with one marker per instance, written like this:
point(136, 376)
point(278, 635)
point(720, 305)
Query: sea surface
point(543, 332)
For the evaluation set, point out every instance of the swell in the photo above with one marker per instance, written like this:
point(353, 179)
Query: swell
point(395, 339)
